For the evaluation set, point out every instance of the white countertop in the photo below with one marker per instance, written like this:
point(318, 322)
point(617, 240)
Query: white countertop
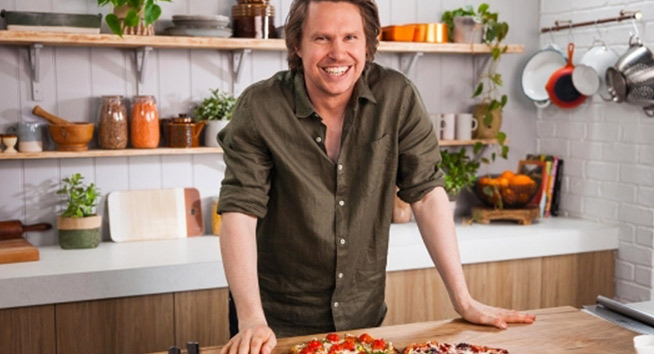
point(151, 267)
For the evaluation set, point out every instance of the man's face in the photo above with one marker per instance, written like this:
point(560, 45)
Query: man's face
point(333, 49)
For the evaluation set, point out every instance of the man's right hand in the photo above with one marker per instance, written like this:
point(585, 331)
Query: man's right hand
point(256, 338)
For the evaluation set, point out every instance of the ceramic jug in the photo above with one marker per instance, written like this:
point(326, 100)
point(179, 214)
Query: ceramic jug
point(184, 133)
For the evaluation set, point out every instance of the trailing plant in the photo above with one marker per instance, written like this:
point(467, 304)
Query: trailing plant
point(81, 198)
point(460, 171)
point(218, 106)
point(148, 10)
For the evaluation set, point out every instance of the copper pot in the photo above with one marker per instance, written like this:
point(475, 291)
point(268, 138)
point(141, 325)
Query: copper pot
point(184, 133)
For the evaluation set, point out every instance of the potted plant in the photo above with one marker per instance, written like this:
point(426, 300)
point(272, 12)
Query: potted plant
point(217, 110)
point(132, 16)
point(460, 172)
point(78, 226)
point(489, 111)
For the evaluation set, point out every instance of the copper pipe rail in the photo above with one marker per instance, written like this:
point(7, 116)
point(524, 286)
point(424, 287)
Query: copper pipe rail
point(563, 25)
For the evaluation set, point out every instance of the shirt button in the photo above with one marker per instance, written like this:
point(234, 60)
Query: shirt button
point(342, 241)
point(336, 304)
point(341, 203)
point(340, 167)
point(318, 139)
point(340, 275)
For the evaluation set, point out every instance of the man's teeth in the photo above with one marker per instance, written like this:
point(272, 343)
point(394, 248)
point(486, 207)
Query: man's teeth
point(336, 70)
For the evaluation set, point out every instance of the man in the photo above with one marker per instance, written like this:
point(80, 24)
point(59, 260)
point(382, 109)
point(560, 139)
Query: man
point(314, 156)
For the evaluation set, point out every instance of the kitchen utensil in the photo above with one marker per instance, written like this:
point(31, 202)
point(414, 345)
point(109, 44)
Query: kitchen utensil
point(560, 88)
point(72, 137)
point(465, 125)
point(631, 79)
point(538, 70)
point(183, 31)
point(184, 133)
point(30, 136)
point(254, 20)
point(154, 214)
point(10, 141)
point(40, 112)
point(11, 229)
point(52, 22)
point(17, 250)
point(447, 126)
point(198, 21)
point(399, 33)
point(430, 32)
point(588, 75)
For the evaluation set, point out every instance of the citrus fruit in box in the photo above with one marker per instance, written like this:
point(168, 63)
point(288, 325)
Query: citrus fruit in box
point(507, 190)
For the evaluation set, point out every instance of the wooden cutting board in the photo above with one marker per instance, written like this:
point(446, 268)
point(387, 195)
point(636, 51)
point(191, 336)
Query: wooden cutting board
point(17, 250)
point(154, 214)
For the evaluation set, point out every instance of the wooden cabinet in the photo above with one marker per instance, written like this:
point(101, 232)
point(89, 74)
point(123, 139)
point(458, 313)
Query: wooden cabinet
point(155, 322)
point(576, 280)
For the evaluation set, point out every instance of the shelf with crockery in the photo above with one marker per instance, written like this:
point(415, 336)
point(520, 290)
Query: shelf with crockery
point(108, 153)
point(110, 40)
point(467, 142)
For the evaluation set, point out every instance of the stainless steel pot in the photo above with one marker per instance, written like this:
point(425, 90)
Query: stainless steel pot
point(631, 79)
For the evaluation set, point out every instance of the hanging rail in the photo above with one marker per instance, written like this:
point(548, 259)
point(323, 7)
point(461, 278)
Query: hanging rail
point(563, 25)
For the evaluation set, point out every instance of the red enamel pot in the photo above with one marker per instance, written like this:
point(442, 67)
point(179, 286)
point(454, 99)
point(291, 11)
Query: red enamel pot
point(560, 88)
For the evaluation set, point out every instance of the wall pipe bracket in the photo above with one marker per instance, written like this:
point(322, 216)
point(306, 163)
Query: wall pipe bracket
point(141, 60)
point(35, 69)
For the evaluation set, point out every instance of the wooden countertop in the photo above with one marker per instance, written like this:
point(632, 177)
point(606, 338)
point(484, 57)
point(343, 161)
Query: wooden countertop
point(556, 330)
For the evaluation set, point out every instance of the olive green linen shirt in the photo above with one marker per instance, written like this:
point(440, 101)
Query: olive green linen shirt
point(323, 227)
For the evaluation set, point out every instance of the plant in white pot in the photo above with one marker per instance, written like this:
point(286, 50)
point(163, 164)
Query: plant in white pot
point(217, 110)
point(78, 226)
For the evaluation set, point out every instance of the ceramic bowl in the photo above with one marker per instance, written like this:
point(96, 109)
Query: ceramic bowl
point(72, 137)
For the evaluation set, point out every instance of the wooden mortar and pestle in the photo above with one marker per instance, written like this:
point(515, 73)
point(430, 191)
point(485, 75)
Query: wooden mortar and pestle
point(69, 136)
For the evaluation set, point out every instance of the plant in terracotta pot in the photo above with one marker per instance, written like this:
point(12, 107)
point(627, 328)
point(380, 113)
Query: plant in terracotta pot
point(132, 16)
point(217, 110)
point(78, 226)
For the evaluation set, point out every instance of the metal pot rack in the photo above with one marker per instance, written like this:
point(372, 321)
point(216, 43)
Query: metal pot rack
point(568, 25)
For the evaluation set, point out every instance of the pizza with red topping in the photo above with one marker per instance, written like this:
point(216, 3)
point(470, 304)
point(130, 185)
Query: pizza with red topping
point(433, 347)
point(333, 343)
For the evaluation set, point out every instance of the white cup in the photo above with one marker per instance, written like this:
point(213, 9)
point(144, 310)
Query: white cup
point(644, 344)
point(465, 125)
point(447, 126)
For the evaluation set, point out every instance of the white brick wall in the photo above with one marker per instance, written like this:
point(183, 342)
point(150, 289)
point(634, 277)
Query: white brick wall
point(608, 147)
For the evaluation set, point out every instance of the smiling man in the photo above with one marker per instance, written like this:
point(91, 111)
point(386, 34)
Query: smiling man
point(314, 156)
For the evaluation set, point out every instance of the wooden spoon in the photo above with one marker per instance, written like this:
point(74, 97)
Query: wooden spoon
point(38, 111)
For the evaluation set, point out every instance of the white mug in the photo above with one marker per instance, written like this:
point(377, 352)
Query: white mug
point(465, 125)
point(447, 126)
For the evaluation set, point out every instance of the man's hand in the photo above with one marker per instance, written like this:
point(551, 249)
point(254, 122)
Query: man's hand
point(479, 313)
point(257, 338)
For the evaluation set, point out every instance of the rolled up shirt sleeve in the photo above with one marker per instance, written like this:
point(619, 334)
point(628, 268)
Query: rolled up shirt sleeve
point(247, 177)
point(418, 172)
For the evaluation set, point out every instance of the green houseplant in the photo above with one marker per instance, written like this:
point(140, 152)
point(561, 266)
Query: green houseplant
point(132, 16)
point(460, 171)
point(489, 111)
point(217, 110)
point(78, 226)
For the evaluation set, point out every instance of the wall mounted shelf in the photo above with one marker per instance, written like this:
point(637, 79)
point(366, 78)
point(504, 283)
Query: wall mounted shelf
point(109, 153)
point(239, 47)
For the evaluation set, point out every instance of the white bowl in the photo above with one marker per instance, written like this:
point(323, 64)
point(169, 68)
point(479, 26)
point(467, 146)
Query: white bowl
point(538, 71)
point(644, 344)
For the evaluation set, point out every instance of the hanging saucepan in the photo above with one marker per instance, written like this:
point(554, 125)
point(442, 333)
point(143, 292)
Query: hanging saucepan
point(560, 88)
point(538, 70)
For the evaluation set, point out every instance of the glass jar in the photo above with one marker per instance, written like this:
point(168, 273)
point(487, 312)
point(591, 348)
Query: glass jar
point(145, 122)
point(253, 19)
point(112, 121)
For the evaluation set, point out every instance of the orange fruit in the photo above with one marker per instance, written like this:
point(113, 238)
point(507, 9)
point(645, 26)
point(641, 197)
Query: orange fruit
point(507, 174)
point(521, 179)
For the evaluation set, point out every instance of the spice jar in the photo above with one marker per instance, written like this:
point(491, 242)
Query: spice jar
point(112, 118)
point(253, 19)
point(145, 122)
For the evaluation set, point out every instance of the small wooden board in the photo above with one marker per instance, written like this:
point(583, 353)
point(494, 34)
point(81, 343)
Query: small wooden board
point(524, 216)
point(17, 250)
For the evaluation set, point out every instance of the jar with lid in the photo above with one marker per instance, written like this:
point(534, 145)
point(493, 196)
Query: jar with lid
point(145, 122)
point(254, 19)
point(112, 122)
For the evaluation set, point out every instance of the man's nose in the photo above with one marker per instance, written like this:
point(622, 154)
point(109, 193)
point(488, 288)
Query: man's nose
point(337, 50)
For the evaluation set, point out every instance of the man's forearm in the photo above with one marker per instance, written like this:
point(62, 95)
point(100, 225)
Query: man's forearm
point(239, 254)
point(436, 223)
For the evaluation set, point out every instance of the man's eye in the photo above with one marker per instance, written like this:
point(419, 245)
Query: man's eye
point(350, 37)
point(321, 38)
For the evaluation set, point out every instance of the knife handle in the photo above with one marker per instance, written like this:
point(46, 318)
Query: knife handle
point(193, 348)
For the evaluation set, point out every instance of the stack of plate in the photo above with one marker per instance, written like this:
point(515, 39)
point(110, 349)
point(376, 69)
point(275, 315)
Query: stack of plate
point(200, 26)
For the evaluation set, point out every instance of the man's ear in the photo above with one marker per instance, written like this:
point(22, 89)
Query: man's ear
point(297, 51)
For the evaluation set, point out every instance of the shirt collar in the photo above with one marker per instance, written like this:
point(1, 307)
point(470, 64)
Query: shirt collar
point(303, 106)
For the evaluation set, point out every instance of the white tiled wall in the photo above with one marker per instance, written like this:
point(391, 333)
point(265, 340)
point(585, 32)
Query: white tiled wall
point(73, 79)
point(607, 147)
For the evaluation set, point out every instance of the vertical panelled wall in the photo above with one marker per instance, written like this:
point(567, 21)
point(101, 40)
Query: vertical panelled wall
point(608, 147)
point(74, 78)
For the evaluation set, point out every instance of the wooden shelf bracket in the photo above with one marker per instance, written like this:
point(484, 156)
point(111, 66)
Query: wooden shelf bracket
point(411, 58)
point(141, 60)
point(35, 69)
point(237, 62)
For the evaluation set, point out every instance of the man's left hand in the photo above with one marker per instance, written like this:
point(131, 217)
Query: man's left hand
point(479, 313)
